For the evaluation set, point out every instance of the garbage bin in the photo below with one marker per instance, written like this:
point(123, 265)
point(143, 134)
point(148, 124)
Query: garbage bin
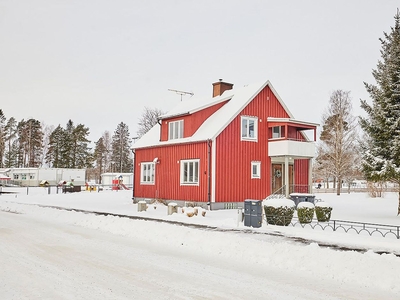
point(252, 213)
point(302, 197)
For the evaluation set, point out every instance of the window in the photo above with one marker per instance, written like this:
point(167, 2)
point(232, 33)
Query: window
point(23, 176)
point(147, 173)
point(276, 132)
point(31, 176)
point(16, 176)
point(256, 169)
point(249, 128)
point(175, 130)
point(190, 171)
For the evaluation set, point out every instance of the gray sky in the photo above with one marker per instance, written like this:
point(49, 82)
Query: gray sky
point(100, 62)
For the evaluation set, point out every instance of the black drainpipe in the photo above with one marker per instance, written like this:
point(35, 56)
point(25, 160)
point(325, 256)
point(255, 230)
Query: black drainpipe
point(208, 174)
point(159, 123)
point(133, 186)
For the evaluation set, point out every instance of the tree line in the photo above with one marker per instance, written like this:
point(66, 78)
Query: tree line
point(28, 143)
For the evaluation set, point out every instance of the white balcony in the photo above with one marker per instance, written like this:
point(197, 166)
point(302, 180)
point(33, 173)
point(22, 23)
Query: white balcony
point(291, 148)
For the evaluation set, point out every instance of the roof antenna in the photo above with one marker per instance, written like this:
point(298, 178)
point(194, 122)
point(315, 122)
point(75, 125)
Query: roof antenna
point(181, 93)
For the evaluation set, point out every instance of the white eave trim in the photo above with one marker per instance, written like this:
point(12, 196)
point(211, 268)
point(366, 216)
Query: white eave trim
point(290, 120)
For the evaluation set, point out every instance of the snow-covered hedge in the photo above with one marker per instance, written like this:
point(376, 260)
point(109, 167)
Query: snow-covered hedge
point(323, 211)
point(305, 212)
point(279, 211)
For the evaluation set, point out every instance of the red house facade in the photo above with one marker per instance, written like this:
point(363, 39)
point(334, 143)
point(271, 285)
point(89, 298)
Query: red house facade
point(240, 144)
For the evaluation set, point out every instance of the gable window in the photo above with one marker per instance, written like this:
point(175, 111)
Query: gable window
point(190, 172)
point(256, 169)
point(175, 130)
point(276, 132)
point(249, 128)
point(147, 173)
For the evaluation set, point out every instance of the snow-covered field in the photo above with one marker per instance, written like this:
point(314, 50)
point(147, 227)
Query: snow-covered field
point(49, 253)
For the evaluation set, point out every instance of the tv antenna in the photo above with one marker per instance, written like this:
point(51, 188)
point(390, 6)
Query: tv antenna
point(182, 93)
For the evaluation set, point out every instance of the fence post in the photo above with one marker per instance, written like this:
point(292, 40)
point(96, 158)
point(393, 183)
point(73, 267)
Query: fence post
point(334, 225)
point(398, 232)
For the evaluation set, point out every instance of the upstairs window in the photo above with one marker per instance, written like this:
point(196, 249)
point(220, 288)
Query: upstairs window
point(256, 169)
point(249, 128)
point(276, 132)
point(147, 173)
point(175, 130)
point(190, 172)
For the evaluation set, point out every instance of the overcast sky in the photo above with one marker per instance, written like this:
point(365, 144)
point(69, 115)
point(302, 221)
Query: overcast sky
point(100, 62)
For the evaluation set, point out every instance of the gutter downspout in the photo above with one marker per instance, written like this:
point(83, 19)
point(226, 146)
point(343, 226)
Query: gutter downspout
point(159, 121)
point(133, 179)
point(208, 174)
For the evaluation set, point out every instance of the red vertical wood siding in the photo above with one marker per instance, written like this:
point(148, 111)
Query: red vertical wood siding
point(167, 174)
point(234, 157)
point(301, 175)
point(190, 122)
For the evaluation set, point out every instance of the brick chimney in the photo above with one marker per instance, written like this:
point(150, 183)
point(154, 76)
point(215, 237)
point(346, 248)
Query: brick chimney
point(220, 87)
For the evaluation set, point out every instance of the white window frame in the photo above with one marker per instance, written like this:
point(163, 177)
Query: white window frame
point(175, 130)
point(277, 135)
point(147, 172)
point(190, 171)
point(23, 176)
point(256, 169)
point(245, 133)
point(16, 176)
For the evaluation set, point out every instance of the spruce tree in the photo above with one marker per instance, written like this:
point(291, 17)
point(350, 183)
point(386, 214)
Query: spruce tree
point(53, 156)
point(11, 141)
point(381, 148)
point(2, 136)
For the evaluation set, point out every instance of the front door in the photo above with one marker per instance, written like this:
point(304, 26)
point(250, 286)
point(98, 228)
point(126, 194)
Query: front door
point(277, 177)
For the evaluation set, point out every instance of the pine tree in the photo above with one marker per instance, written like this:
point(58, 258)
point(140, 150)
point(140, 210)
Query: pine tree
point(100, 155)
point(381, 149)
point(30, 137)
point(121, 152)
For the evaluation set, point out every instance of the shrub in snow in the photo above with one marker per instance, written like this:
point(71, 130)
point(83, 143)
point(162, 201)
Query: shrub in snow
point(279, 211)
point(323, 211)
point(305, 212)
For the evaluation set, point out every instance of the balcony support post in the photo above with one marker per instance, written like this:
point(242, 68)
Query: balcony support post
point(286, 176)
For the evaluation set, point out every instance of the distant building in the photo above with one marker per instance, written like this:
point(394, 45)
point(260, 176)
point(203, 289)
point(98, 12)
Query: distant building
point(34, 176)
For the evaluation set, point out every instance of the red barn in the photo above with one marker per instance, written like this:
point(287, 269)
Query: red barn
point(240, 144)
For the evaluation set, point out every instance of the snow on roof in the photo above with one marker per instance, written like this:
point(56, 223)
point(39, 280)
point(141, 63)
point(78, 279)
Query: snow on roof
point(217, 122)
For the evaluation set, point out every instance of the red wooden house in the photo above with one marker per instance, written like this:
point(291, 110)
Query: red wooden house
point(240, 144)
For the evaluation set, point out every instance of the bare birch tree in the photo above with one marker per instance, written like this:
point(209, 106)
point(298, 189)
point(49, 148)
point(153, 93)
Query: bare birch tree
point(338, 146)
point(148, 119)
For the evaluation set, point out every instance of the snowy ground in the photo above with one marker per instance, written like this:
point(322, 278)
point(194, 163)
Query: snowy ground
point(48, 253)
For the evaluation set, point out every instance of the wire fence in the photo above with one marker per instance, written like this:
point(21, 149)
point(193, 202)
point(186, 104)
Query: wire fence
point(367, 229)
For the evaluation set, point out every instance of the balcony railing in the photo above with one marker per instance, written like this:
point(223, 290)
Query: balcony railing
point(288, 147)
